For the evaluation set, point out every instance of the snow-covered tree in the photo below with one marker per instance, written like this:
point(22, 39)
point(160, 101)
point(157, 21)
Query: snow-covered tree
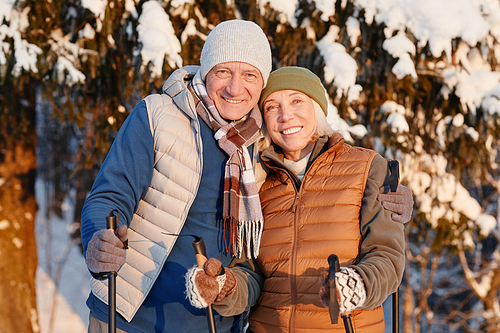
point(429, 77)
point(18, 259)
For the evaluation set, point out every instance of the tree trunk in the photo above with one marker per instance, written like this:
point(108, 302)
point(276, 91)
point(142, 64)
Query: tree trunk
point(18, 254)
point(491, 303)
point(408, 309)
point(18, 251)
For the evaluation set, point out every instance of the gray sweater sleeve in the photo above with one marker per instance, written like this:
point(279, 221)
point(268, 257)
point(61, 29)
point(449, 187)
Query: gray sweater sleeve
point(382, 257)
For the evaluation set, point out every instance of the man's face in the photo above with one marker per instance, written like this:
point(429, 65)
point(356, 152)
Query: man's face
point(235, 88)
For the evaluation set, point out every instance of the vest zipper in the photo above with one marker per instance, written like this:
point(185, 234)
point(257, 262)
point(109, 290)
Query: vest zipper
point(295, 182)
point(293, 278)
point(295, 241)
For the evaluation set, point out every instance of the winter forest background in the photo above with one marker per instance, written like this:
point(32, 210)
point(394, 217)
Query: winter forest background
point(418, 81)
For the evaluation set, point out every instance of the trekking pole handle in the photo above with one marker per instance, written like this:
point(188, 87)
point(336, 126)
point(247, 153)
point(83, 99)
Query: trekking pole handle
point(111, 224)
point(112, 220)
point(201, 256)
point(393, 180)
point(200, 251)
point(334, 263)
point(334, 267)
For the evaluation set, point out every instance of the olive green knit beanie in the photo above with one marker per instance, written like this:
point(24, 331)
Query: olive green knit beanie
point(296, 78)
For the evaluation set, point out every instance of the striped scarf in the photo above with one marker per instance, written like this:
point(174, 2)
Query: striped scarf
point(241, 205)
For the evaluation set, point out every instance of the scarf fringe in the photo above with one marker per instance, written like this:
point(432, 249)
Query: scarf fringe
point(241, 233)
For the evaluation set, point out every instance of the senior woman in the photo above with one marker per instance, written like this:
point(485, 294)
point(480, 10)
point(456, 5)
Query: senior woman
point(319, 198)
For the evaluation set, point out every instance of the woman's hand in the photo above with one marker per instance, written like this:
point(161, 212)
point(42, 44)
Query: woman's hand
point(351, 292)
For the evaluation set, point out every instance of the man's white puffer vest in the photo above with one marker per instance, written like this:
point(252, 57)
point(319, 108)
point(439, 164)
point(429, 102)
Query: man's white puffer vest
point(174, 184)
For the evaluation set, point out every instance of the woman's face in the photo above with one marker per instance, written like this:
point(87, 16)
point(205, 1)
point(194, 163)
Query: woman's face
point(291, 123)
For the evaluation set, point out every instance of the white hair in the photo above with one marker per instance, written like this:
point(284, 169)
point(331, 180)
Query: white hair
point(322, 126)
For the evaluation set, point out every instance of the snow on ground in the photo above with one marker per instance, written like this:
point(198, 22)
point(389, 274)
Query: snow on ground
point(62, 279)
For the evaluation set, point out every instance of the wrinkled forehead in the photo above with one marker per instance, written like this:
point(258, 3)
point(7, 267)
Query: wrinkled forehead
point(233, 66)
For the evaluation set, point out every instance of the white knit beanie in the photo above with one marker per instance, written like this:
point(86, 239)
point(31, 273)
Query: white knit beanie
point(238, 41)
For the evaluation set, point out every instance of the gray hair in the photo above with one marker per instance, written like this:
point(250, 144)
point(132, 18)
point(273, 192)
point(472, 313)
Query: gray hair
point(322, 126)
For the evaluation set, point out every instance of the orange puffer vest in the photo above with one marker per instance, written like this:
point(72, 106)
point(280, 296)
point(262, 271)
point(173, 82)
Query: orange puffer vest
point(302, 228)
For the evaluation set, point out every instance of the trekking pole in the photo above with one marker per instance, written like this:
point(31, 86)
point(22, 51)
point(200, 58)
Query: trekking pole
point(112, 224)
point(201, 257)
point(395, 312)
point(333, 261)
point(392, 180)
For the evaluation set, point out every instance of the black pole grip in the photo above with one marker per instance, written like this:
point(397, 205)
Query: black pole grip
point(334, 263)
point(199, 246)
point(334, 267)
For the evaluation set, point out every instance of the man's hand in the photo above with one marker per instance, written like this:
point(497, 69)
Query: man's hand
point(105, 251)
point(204, 286)
point(399, 202)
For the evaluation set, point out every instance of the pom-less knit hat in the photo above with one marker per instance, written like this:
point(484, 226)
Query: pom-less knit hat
point(238, 41)
point(296, 78)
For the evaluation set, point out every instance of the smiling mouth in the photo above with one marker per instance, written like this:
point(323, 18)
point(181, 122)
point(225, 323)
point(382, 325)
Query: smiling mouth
point(291, 130)
point(232, 101)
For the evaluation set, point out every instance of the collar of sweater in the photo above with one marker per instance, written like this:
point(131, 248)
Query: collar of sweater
point(297, 167)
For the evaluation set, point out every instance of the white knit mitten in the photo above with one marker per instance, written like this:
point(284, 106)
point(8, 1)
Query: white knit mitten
point(204, 286)
point(350, 288)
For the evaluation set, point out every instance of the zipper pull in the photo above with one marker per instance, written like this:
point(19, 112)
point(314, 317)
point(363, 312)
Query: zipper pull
point(294, 206)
